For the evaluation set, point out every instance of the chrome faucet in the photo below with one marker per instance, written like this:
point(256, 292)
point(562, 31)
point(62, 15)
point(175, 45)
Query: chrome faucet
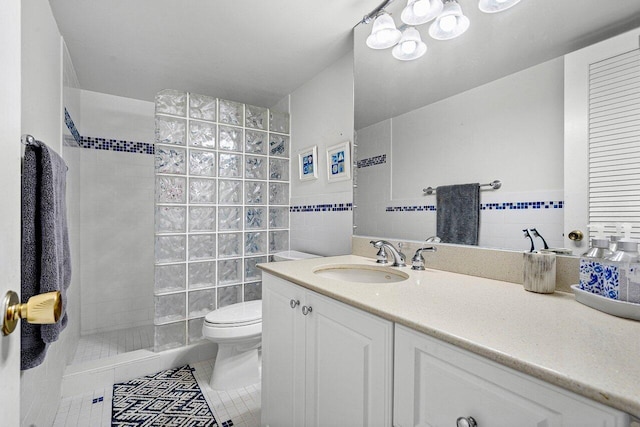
point(417, 262)
point(398, 257)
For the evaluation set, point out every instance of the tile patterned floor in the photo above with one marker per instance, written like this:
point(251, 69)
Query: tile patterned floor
point(107, 344)
point(241, 406)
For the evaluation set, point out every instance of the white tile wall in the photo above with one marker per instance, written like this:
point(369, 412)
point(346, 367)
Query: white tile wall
point(117, 240)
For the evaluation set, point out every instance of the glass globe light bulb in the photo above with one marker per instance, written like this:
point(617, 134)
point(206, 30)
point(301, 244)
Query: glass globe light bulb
point(448, 23)
point(421, 7)
point(409, 46)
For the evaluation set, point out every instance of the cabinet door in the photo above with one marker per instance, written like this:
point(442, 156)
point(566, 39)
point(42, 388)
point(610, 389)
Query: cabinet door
point(282, 354)
point(349, 366)
point(435, 383)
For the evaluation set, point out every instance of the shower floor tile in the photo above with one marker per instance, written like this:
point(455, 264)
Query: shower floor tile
point(107, 344)
point(241, 406)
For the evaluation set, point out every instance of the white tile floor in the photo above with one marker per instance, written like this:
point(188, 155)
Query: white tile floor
point(107, 344)
point(241, 406)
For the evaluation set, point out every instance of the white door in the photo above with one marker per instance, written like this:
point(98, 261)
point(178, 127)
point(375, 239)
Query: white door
point(282, 353)
point(349, 366)
point(10, 201)
point(602, 101)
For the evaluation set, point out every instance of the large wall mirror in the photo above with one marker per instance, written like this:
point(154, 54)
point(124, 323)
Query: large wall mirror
point(488, 105)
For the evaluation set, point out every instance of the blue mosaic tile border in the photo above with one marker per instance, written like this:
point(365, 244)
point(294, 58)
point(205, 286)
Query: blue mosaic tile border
point(116, 145)
point(372, 161)
point(486, 206)
point(328, 207)
point(71, 126)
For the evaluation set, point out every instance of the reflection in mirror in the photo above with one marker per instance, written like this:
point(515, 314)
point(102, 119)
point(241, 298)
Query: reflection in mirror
point(486, 106)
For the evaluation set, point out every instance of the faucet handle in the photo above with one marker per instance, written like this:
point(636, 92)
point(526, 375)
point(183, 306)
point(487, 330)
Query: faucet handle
point(417, 262)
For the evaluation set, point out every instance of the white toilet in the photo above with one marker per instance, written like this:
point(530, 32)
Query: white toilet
point(237, 329)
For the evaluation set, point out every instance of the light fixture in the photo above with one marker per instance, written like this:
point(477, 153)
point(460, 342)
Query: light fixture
point(410, 46)
point(384, 33)
point(451, 23)
point(418, 12)
point(493, 6)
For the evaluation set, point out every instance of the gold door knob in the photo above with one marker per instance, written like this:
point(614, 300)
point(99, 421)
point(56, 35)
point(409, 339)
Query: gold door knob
point(40, 309)
point(576, 235)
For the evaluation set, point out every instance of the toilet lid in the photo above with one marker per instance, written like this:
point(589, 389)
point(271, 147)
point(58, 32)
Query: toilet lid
point(241, 313)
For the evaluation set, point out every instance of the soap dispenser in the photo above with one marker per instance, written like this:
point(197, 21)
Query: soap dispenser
point(620, 270)
point(591, 263)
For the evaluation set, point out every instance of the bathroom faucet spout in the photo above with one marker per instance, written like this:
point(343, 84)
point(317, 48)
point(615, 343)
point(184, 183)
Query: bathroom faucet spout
point(398, 257)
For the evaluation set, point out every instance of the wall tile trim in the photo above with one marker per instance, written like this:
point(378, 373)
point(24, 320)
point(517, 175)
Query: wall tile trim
point(325, 207)
point(486, 206)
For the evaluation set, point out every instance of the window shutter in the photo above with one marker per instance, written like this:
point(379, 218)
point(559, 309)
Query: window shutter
point(614, 141)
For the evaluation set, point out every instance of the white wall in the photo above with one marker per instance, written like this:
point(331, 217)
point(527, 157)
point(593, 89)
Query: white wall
point(322, 115)
point(42, 117)
point(116, 215)
point(510, 129)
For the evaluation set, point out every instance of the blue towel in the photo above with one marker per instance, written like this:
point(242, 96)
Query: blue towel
point(46, 263)
point(458, 213)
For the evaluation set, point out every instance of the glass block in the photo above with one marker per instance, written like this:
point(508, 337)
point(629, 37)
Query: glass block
point(278, 193)
point(170, 160)
point(251, 271)
point(279, 169)
point(229, 218)
point(229, 245)
point(279, 122)
point(202, 246)
point(195, 330)
point(230, 165)
point(253, 291)
point(170, 131)
point(256, 117)
point(170, 189)
point(278, 145)
point(202, 163)
point(255, 218)
point(230, 192)
point(254, 192)
point(202, 190)
point(170, 219)
point(231, 112)
point(255, 243)
point(255, 142)
point(202, 219)
point(230, 138)
point(202, 135)
point(171, 102)
point(202, 274)
point(170, 248)
point(170, 308)
point(255, 167)
point(202, 107)
point(278, 217)
point(229, 271)
point(170, 278)
point(169, 336)
point(202, 302)
point(229, 295)
point(278, 241)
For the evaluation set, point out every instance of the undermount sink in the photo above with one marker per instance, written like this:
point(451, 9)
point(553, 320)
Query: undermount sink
point(361, 273)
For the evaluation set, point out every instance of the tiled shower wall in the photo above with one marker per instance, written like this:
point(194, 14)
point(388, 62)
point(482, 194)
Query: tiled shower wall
point(222, 206)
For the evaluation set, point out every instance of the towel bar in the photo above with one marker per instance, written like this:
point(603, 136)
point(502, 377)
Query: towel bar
point(493, 184)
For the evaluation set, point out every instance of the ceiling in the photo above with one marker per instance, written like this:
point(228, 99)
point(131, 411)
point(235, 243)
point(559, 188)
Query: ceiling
point(495, 46)
point(251, 51)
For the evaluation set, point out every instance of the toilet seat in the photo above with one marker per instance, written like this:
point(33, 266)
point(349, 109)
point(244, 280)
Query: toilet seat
point(240, 314)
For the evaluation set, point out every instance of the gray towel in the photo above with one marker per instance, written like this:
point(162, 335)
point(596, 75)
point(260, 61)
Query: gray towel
point(46, 263)
point(458, 213)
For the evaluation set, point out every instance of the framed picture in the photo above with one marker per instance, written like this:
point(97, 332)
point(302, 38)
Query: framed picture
point(308, 160)
point(339, 162)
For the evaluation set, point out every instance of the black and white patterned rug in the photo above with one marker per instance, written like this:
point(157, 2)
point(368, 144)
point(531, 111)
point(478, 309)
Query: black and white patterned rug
point(168, 398)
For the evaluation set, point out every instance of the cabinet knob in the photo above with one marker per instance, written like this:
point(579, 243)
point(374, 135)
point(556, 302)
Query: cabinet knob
point(294, 303)
point(466, 422)
point(306, 310)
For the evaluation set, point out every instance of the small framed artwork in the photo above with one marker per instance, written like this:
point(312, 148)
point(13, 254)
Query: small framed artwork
point(308, 160)
point(339, 162)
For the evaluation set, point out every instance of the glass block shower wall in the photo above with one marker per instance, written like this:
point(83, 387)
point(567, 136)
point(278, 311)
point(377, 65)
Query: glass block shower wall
point(222, 206)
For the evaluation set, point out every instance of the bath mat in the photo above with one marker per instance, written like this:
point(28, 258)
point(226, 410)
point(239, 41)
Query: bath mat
point(168, 398)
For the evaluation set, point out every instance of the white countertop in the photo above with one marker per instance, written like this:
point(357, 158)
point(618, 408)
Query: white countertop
point(548, 336)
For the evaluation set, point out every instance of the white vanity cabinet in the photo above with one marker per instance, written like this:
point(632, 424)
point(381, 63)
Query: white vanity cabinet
point(435, 384)
point(324, 363)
